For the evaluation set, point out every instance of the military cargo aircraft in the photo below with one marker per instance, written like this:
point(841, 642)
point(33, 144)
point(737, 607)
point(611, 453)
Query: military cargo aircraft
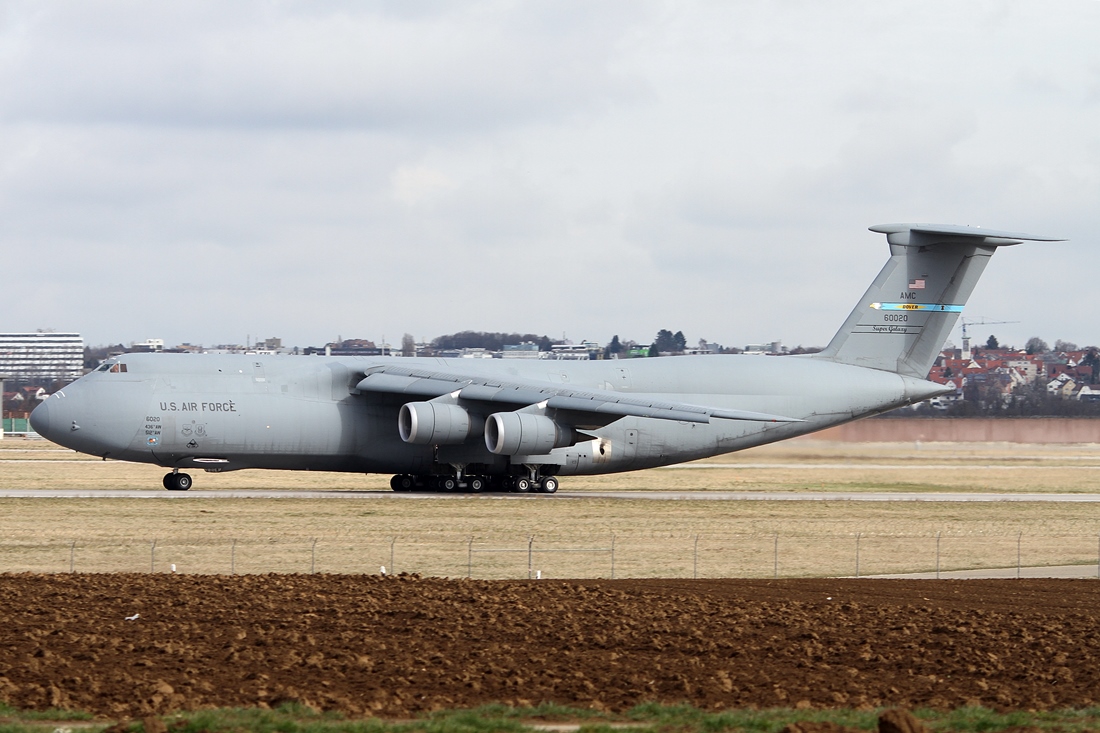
point(518, 425)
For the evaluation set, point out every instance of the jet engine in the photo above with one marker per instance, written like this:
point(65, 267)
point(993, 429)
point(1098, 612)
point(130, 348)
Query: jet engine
point(433, 423)
point(515, 433)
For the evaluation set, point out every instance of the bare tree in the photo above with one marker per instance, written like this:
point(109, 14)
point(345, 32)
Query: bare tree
point(1036, 345)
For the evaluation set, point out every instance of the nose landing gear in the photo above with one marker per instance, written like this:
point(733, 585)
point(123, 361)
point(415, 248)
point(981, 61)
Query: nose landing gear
point(177, 481)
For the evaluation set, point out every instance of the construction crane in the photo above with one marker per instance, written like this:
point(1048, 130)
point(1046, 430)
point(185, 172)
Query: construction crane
point(982, 321)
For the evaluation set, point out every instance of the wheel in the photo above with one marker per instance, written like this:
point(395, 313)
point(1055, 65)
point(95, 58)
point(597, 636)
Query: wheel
point(447, 483)
point(402, 482)
point(522, 485)
point(167, 481)
point(476, 484)
point(548, 485)
point(177, 482)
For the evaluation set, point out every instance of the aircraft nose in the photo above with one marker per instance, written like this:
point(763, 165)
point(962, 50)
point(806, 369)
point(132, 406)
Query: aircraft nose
point(40, 419)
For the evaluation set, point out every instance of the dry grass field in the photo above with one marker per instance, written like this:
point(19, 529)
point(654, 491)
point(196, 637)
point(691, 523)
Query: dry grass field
point(560, 537)
point(798, 465)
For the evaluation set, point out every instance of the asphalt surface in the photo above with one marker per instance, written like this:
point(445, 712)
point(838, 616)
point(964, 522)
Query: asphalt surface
point(1051, 571)
point(561, 495)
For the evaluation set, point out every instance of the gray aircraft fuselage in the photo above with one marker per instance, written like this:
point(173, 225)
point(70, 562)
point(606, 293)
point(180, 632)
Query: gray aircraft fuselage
point(304, 412)
point(517, 423)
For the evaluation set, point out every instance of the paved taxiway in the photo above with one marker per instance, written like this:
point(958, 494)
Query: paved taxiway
point(634, 495)
point(1050, 571)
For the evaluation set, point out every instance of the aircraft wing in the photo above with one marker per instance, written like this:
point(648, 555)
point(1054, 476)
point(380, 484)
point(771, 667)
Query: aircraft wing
point(590, 407)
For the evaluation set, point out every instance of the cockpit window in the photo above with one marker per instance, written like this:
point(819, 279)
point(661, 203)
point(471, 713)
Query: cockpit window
point(103, 367)
point(116, 368)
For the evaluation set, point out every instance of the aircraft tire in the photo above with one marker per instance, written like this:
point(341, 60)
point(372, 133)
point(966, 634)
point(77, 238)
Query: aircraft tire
point(179, 481)
point(447, 483)
point(402, 482)
point(476, 483)
point(522, 485)
point(548, 485)
point(166, 482)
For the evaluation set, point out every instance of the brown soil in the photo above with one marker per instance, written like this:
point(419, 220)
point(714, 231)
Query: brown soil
point(396, 646)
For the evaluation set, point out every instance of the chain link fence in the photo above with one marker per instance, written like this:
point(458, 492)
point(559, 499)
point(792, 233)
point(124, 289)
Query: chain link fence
point(773, 555)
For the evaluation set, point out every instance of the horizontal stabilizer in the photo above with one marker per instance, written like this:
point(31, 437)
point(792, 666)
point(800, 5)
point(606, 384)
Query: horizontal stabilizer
point(923, 235)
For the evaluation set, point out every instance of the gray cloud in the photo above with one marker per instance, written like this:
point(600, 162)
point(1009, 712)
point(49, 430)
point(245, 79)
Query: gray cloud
point(203, 172)
point(258, 64)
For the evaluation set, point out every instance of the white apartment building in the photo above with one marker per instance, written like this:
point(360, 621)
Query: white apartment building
point(41, 357)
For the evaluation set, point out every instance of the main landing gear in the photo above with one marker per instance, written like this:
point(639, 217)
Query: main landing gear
point(525, 485)
point(176, 481)
point(474, 484)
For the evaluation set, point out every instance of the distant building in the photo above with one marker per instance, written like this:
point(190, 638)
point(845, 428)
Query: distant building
point(41, 357)
point(705, 348)
point(775, 347)
point(1088, 394)
point(147, 346)
point(582, 351)
point(526, 350)
point(475, 353)
point(345, 347)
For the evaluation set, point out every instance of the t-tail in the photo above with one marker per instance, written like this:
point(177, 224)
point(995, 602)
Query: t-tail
point(904, 318)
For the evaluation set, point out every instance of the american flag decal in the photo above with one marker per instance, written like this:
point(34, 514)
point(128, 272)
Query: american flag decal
point(916, 284)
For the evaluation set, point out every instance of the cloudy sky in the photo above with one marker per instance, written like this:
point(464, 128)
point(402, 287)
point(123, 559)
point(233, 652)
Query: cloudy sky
point(211, 172)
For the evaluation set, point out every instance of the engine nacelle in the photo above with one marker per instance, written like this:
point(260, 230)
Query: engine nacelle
point(521, 433)
point(433, 423)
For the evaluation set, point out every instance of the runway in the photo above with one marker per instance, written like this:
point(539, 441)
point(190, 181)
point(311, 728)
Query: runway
point(784, 466)
point(1047, 571)
point(819, 496)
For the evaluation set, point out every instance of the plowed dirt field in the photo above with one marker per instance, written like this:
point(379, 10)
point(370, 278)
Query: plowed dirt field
point(399, 645)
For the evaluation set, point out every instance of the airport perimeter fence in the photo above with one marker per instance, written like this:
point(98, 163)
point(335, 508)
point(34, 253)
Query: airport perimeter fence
point(611, 555)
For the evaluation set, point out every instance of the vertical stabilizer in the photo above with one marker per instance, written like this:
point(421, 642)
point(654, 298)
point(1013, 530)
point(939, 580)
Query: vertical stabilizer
point(904, 318)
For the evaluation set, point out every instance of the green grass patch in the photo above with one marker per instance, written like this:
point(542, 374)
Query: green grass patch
point(984, 720)
point(645, 718)
point(688, 718)
point(8, 712)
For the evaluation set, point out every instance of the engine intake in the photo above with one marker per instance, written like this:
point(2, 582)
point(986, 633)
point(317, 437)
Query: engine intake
point(432, 423)
point(520, 433)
